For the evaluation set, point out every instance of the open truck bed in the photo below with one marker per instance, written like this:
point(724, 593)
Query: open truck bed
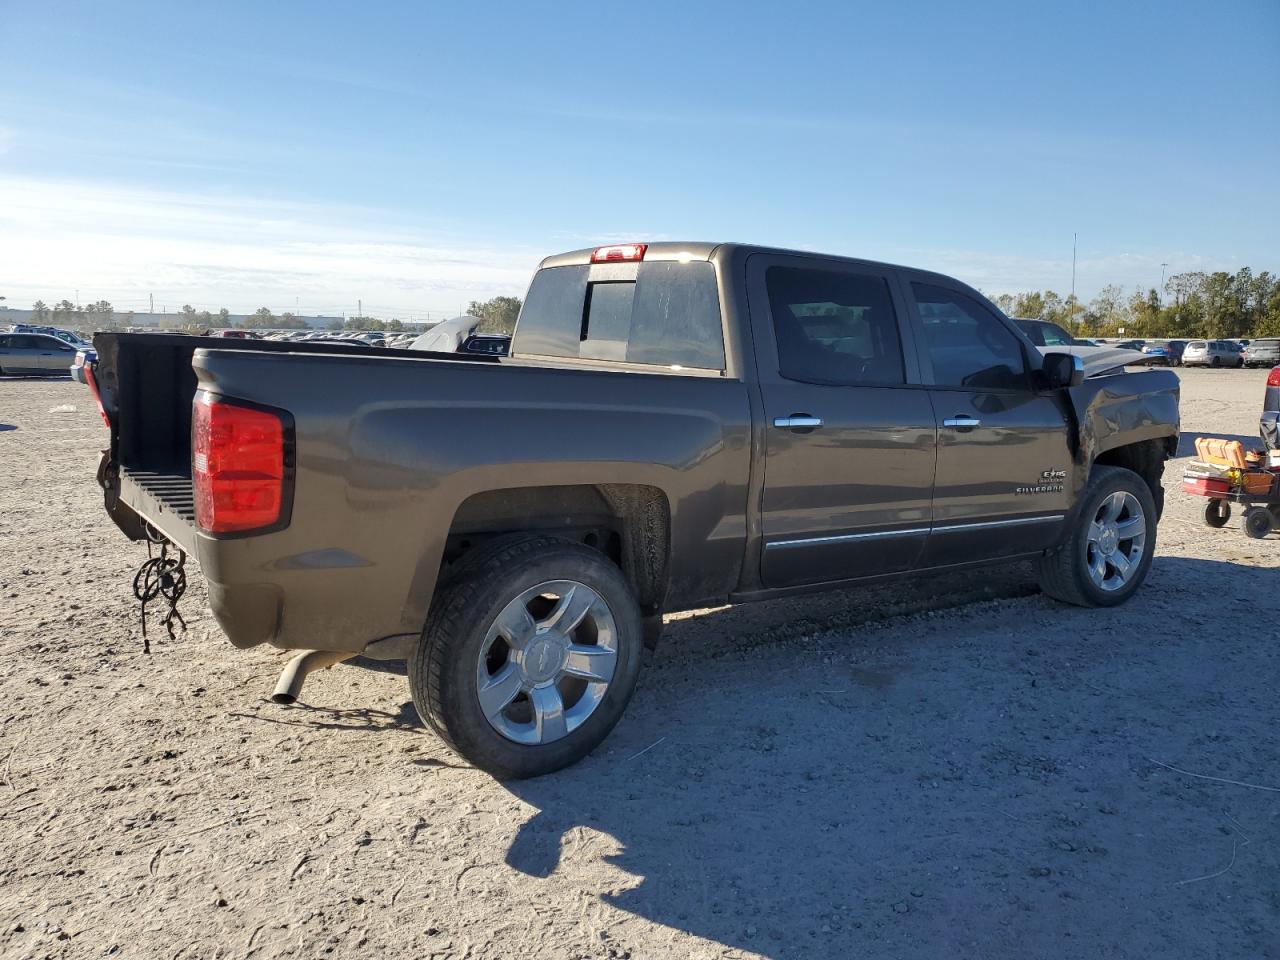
point(145, 384)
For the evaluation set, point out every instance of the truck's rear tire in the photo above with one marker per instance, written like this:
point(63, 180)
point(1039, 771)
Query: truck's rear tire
point(1105, 557)
point(529, 656)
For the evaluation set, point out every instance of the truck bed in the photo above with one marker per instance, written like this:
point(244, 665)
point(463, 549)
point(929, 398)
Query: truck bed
point(146, 383)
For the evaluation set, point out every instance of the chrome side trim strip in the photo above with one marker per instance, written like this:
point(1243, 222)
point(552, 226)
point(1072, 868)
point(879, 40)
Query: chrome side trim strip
point(849, 537)
point(1016, 522)
point(913, 531)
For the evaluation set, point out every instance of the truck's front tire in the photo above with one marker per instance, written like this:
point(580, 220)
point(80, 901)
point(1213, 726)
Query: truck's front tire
point(529, 656)
point(1105, 557)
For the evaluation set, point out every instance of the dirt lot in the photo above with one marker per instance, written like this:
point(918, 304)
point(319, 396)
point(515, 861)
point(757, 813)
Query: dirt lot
point(958, 768)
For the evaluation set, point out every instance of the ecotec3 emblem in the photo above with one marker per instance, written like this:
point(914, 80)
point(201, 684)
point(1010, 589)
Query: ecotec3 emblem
point(1051, 481)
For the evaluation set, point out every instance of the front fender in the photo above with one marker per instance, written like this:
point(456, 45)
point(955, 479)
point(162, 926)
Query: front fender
point(1115, 411)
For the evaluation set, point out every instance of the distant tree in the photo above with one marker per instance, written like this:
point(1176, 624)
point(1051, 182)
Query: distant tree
point(188, 318)
point(395, 325)
point(1005, 301)
point(1029, 305)
point(1106, 312)
point(224, 318)
point(497, 315)
point(262, 319)
point(66, 312)
point(290, 322)
point(40, 312)
point(334, 324)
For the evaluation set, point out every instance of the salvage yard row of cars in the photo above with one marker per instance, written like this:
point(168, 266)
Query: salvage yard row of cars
point(28, 350)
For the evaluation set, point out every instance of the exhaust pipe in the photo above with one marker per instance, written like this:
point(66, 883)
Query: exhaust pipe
point(295, 671)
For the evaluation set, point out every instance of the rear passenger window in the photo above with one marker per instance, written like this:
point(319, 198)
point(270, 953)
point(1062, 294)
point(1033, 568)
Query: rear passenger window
point(834, 327)
point(968, 344)
point(666, 314)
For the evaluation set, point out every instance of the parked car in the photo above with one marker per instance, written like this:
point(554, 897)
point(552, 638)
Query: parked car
point(1128, 344)
point(679, 425)
point(1269, 424)
point(1165, 352)
point(84, 359)
point(1212, 353)
point(1262, 353)
point(1045, 333)
point(35, 354)
point(459, 335)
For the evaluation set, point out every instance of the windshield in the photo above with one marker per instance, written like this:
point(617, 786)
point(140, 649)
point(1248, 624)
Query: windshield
point(1046, 334)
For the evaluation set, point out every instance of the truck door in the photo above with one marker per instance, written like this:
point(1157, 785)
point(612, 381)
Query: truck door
point(850, 434)
point(1003, 451)
point(54, 355)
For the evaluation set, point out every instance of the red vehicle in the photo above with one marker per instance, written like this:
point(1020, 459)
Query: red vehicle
point(234, 334)
point(1269, 423)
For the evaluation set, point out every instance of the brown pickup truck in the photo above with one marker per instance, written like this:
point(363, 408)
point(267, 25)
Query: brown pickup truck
point(678, 425)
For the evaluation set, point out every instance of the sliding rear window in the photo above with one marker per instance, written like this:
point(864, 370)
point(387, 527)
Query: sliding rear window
point(663, 313)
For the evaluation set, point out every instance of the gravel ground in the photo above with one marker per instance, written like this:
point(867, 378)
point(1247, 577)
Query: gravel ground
point(959, 767)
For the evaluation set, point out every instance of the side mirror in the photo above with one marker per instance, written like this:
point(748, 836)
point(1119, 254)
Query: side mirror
point(1062, 370)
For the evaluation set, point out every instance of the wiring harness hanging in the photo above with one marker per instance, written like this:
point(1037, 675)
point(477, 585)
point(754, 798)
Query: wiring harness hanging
point(161, 575)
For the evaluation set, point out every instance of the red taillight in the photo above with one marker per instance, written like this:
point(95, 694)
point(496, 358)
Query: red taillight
point(237, 465)
point(619, 251)
point(92, 381)
point(1273, 378)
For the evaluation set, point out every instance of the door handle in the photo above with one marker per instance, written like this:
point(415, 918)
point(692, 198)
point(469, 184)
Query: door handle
point(798, 421)
point(962, 423)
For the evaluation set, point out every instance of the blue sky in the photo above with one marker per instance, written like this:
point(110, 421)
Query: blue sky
point(419, 155)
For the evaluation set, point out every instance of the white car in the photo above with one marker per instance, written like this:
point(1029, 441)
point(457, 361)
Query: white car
point(1212, 353)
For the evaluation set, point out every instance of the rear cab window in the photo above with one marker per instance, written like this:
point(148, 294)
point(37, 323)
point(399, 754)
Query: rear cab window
point(663, 313)
point(834, 327)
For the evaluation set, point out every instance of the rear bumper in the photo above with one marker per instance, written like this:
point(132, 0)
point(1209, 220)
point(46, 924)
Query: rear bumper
point(263, 589)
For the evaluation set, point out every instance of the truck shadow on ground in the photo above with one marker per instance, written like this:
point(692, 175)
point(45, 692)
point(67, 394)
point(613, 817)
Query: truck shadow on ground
point(997, 801)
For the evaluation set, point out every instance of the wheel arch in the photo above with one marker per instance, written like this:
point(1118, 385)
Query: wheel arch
point(628, 522)
point(1146, 458)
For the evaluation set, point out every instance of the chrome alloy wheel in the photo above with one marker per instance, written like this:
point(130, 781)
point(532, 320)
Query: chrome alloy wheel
point(547, 662)
point(1117, 538)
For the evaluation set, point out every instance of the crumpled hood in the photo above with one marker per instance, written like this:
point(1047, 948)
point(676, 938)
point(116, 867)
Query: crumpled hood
point(1099, 361)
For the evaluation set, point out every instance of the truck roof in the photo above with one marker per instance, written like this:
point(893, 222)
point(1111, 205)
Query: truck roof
point(702, 250)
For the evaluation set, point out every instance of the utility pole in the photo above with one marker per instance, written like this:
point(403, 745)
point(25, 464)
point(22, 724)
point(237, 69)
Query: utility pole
point(152, 298)
point(1072, 308)
point(359, 307)
point(1162, 269)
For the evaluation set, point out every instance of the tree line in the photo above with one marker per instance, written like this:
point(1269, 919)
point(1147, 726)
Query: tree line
point(1217, 306)
point(496, 316)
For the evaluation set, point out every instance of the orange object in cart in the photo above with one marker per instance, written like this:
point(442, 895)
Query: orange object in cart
point(1216, 450)
point(1257, 482)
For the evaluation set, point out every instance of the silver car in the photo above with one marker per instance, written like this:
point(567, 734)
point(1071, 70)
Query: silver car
point(1262, 353)
point(1212, 353)
point(35, 354)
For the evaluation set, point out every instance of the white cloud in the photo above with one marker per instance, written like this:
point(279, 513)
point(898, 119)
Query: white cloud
point(122, 244)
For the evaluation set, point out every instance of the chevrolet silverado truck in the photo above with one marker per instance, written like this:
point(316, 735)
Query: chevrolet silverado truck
point(678, 426)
